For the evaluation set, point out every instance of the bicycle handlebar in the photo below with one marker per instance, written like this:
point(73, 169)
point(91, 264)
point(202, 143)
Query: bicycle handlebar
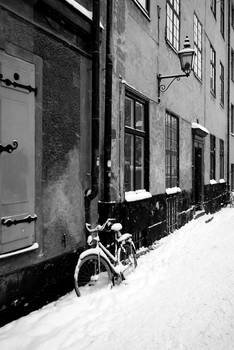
point(98, 227)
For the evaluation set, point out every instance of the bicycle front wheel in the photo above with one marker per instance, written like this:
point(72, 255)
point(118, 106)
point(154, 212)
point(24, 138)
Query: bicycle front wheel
point(92, 274)
point(127, 257)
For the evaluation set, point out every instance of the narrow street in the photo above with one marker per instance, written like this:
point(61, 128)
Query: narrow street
point(179, 297)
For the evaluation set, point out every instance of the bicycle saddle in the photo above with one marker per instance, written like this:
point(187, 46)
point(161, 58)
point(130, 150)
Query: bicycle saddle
point(116, 227)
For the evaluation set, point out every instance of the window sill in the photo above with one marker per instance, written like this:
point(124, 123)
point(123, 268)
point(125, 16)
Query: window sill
point(232, 134)
point(197, 77)
point(213, 94)
point(173, 190)
point(213, 182)
point(222, 181)
point(20, 251)
point(171, 47)
point(144, 11)
point(133, 196)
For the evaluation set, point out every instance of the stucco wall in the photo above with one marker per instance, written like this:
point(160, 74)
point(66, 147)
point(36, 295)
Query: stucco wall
point(63, 142)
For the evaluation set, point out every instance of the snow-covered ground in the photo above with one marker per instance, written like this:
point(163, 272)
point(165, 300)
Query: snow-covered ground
point(181, 296)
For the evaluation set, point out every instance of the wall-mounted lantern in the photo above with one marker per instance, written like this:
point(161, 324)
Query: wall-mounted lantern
point(186, 56)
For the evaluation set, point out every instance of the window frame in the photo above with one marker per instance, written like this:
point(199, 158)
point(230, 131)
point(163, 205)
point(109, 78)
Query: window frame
point(175, 14)
point(232, 16)
point(232, 119)
point(198, 49)
point(212, 157)
point(221, 158)
point(170, 179)
point(213, 7)
point(232, 176)
point(222, 18)
point(138, 133)
point(146, 8)
point(221, 84)
point(232, 65)
point(212, 70)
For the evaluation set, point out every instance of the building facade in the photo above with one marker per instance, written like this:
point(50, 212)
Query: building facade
point(46, 58)
point(87, 132)
point(169, 155)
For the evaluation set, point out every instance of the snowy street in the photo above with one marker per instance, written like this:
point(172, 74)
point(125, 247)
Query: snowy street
point(181, 296)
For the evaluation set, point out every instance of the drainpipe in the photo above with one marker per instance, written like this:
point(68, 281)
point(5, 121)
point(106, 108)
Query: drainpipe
point(108, 103)
point(228, 94)
point(92, 192)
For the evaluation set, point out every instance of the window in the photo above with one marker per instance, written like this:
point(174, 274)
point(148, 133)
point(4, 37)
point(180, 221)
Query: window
point(197, 35)
point(221, 159)
point(212, 70)
point(144, 4)
point(213, 7)
point(222, 17)
point(135, 144)
point(232, 118)
point(172, 150)
point(221, 84)
point(232, 18)
point(212, 157)
point(173, 23)
point(232, 65)
point(232, 177)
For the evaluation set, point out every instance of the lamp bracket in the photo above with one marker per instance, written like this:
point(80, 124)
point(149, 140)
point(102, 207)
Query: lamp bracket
point(163, 87)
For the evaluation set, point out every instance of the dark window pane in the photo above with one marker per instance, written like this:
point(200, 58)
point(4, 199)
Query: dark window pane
point(139, 162)
point(128, 112)
point(139, 116)
point(128, 162)
point(172, 137)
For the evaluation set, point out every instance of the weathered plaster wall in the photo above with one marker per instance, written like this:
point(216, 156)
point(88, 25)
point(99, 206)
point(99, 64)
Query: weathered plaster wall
point(63, 116)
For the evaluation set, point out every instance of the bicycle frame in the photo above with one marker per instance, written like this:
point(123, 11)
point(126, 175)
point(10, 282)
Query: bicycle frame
point(101, 250)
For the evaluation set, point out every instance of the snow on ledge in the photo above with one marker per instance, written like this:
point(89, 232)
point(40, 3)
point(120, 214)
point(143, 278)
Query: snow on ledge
point(82, 9)
point(222, 181)
point(213, 182)
point(198, 126)
point(132, 196)
point(173, 190)
point(20, 251)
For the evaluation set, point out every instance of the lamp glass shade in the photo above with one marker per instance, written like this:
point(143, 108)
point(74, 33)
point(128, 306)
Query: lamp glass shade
point(186, 57)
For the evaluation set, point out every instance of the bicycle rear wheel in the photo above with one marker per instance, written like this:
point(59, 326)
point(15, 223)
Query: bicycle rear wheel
point(92, 274)
point(127, 257)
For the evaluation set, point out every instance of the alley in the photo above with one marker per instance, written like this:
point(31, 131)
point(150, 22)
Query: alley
point(179, 297)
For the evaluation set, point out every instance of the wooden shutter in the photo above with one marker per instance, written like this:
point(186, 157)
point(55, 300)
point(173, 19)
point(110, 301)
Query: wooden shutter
point(17, 168)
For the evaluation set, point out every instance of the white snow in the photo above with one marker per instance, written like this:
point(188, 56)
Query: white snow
point(213, 182)
point(82, 9)
point(34, 246)
point(173, 190)
point(132, 196)
point(199, 126)
point(179, 297)
point(221, 181)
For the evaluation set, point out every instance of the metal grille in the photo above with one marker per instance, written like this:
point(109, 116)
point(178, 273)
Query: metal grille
point(171, 214)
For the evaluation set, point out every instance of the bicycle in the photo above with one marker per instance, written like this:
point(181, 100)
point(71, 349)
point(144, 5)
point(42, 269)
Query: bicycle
point(97, 267)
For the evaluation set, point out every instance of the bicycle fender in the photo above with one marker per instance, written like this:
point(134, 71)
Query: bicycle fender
point(94, 251)
point(125, 237)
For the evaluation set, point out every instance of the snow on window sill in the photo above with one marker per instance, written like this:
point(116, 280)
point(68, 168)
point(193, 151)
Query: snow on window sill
point(88, 14)
point(132, 196)
point(213, 182)
point(20, 251)
point(222, 181)
point(173, 190)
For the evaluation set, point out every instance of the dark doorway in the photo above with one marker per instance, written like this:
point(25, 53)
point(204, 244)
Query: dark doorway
point(198, 172)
